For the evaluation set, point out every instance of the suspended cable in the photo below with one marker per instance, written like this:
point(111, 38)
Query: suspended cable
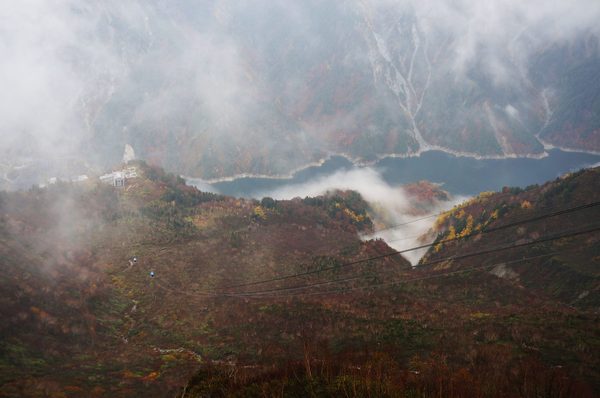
point(396, 252)
point(414, 279)
point(265, 293)
point(441, 260)
point(496, 196)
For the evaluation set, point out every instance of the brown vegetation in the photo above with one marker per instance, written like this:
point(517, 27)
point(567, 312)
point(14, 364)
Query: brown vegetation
point(79, 320)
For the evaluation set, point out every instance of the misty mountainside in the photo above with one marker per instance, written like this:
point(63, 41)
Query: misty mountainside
point(82, 318)
point(222, 87)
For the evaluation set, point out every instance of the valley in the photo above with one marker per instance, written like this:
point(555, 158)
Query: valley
point(325, 198)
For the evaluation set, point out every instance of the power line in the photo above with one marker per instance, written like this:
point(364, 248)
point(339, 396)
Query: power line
point(441, 260)
point(396, 252)
point(371, 235)
point(404, 238)
point(496, 196)
point(265, 293)
point(407, 222)
point(415, 279)
point(201, 293)
point(391, 227)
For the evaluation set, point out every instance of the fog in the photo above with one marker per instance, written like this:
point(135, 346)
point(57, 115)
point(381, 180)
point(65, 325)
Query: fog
point(223, 87)
point(390, 206)
point(501, 34)
point(198, 87)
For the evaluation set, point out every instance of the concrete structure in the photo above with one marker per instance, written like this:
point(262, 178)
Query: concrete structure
point(119, 178)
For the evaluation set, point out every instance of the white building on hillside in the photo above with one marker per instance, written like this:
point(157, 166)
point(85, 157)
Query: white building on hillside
point(119, 178)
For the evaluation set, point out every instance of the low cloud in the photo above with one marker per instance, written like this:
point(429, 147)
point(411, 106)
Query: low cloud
point(392, 206)
point(77, 75)
point(498, 34)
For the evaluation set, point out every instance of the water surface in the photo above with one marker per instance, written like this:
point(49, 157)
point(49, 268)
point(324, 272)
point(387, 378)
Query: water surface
point(458, 175)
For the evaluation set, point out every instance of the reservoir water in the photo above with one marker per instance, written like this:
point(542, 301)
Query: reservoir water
point(458, 175)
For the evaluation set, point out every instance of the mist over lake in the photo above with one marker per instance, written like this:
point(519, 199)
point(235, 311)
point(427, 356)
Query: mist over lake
point(456, 174)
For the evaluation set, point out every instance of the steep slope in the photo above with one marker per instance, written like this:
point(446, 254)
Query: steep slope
point(228, 87)
point(80, 319)
point(326, 97)
point(507, 323)
point(571, 276)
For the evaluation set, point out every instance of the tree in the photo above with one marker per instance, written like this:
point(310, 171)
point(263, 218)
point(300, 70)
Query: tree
point(268, 203)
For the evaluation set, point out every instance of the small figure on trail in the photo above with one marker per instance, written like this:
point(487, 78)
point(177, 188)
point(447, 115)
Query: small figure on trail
point(135, 260)
point(152, 274)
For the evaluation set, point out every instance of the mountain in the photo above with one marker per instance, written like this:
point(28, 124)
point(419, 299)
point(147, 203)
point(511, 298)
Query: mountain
point(227, 87)
point(80, 319)
point(570, 275)
point(82, 315)
point(503, 323)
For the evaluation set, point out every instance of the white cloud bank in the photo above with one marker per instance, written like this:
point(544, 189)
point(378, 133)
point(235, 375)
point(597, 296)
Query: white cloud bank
point(62, 61)
point(391, 203)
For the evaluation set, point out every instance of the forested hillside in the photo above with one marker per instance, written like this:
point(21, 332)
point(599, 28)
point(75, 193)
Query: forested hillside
point(257, 297)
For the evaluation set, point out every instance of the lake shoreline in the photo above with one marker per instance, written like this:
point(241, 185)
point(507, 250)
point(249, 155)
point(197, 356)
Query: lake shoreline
point(358, 162)
point(446, 168)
